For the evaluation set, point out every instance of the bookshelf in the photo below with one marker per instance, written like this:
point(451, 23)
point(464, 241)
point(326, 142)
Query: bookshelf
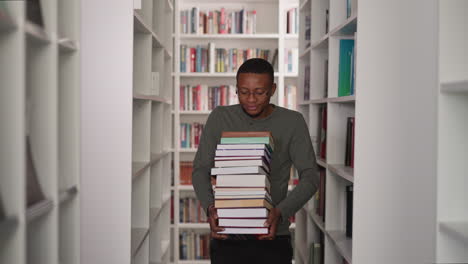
point(152, 132)
point(324, 23)
point(40, 105)
point(270, 33)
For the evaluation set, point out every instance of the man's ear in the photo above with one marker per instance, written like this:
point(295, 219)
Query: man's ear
point(273, 89)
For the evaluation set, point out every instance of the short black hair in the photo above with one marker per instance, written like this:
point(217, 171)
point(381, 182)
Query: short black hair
point(256, 65)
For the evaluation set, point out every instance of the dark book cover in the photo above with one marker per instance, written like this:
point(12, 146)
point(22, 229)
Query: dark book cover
point(325, 90)
point(353, 125)
point(323, 134)
point(34, 192)
point(349, 211)
point(34, 12)
point(322, 194)
point(347, 161)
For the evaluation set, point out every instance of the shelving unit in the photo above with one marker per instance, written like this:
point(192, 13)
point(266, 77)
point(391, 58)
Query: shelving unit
point(270, 34)
point(40, 100)
point(152, 132)
point(322, 84)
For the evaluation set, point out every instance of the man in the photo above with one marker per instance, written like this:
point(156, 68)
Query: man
point(255, 86)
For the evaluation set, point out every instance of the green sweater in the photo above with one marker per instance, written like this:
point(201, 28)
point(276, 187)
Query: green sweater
point(292, 147)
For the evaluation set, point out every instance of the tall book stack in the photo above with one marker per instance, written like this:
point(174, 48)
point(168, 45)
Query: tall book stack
point(242, 190)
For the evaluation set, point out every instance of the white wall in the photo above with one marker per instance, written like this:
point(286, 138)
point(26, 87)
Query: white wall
point(396, 134)
point(106, 48)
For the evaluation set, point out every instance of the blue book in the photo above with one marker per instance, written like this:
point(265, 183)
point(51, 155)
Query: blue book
point(344, 68)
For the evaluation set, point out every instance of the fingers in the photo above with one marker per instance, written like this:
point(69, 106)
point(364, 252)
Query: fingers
point(215, 229)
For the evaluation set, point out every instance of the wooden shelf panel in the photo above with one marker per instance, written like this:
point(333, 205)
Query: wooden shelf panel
point(153, 98)
point(138, 168)
point(343, 244)
point(68, 194)
point(39, 209)
point(321, 43)
point(345, 172)
point(347, 28)
point(155, 157)
point(316, 219)
point(343, 99)
point(305, 52)
point(139, 236)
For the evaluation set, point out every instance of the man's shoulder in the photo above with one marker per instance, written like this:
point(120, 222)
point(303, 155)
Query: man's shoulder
point(224, 109)
point(288, 114)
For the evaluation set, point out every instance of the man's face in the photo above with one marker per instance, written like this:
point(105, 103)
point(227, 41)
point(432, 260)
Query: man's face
point(254, 91)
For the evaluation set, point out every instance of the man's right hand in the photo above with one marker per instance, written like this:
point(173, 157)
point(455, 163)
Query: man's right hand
point(213, 220)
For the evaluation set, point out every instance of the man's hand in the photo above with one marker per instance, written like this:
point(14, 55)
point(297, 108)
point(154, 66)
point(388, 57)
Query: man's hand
point(213, 220)
point(272, 222)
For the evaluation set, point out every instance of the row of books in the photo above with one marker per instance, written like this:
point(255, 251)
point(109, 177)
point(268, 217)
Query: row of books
point(190, 134)
point(291, 57)
point(194, 246)
point(306, 94)
point(203, 97)
point(195, 21)
point(242, 191)
point(290, 97)
point(349, 152)
point(186, 169)
point(191, 211)
point(211, 59)
point(292, 21)
point(346, 68)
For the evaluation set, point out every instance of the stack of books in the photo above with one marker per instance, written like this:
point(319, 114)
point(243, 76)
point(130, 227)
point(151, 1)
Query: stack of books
point(242, 191)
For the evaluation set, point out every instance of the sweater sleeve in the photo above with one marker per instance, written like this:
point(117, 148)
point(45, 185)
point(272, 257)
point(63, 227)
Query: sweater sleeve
point(204, 161)
point(303, 157)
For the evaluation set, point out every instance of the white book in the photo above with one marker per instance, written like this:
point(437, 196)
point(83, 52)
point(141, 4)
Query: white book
point(238, 170)
point(243, 146)
point(241, 163)
point(241, 152)
point(221, 196)
point(242, 212)
point(240, 191)
point(211, 57)
point(246, 180)
point(244, 230)
point(239, 158)
point(243, 222)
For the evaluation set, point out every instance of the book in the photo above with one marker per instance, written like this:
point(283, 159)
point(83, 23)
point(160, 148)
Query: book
point(241, 222)
point(268, 159)
point(247, 140)
point(243, 180)
point(238, 163)
point(349, 211)
point(244, 146)
point(344, 68)
point(227, 134)
point(245, 230)
point(239, 170)
point(242, 212)
point(241, 203)
point(242, 152)
point(34, 12)
point(34, 192)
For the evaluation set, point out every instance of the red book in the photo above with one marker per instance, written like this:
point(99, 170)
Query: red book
point(222, 22)
point(353, 120)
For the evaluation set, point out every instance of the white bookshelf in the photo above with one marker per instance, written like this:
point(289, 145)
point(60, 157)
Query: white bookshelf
point(152, 132)
point(40, 98)
point(324, 46)
point(452, 216)
point(270, 34)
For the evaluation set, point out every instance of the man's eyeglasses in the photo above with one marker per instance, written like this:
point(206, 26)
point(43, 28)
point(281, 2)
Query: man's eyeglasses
point(257, 93)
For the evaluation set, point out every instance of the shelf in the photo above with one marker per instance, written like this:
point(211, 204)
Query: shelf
point(347, 28)
point(138, 168)
point(139, 236)
point(156, 211)
point(194, 225)
point(322, 43)
point(345, 172)
point(39, 209)
point(195, 112)
point(343, 99)
point(37, 33)
point(458, 229)
point(141, 27)
point(8, 224)
point(153, 98)
point(343, 244)
point(186, 188)
point(165, 246)
point(291, 36)
point(211, 75)
point(156, 157)
point(6, 22)
point(188, 150)
point(67, 45)
point(290, 75)
point(303, 4)
point(319, 101)
point(454, 87)
point(229, 36)
point(305, 53)
point(322, 163)
point(68, 194)
point(317, 220)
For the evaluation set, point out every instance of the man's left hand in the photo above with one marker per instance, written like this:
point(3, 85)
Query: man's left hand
point(272, 222)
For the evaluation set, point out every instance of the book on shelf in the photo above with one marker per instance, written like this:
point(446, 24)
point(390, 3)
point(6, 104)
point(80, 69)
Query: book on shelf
point(190, 134)
point(260, 212)
point(327, 20)
point(320, 198)
point(245, 230)
point(349, 211)
point(206, 98)
point(345, 67)
point(307, 82)
point(34, 12)
point(243, 180)
point(307, 28)
point(34, 191)
point(191, 211)
point(241, 222)
point(292, 23)
point(186, 169)
point(349, 150)
point(194, 246)
point(291, 58)
point(348, 8)
point(222, 21)
point(290, 96)
point(325, 78)
point(322, 133)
